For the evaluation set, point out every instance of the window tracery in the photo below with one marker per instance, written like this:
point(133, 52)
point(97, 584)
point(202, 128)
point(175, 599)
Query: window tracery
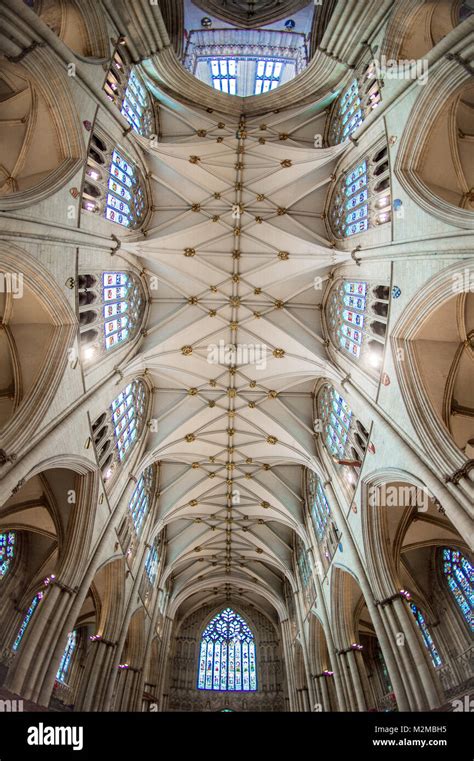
point(111, 307)
point(227, 656)
point(357, 314)
point(362, 198)
point(116, 431)
point(113, 186)
point(354, 104)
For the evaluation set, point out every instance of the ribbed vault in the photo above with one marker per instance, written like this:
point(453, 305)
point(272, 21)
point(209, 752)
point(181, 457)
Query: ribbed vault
point(236, 240)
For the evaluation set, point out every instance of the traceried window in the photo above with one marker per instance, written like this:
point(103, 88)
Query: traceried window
point(140, 501)
point(34, 604)
point(357, 320)
point(151, 564)
point(326, 530)
point(303, 563)
point(344, 436)
point(117, 430)
point(362, 199)
point(227, 656)
point(318, 505)
point(224, 74)
point(268, 75)
point(426, 636)
point(150, 572)
point(459, 575)
point(127, 410)
point(7, 551)
point(354, 105)
point(111, 306)
point(65, 665)
point(125, 87)
point(113, 186)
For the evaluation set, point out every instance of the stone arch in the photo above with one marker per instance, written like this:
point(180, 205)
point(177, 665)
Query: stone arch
point(403, 526)
point(38, 327)
point(442, 115)
point(51, 508)
point(416, 27)
point(434, 336)
point(321, 666)
point(42, 146)
point(80, 26)
point(359, 654)
point(128, 680)
point(184, 658)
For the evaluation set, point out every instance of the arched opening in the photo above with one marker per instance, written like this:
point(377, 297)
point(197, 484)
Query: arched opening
point(361, 197)
point(50, 517)
point(366, 682)
point(411, 546)
point(446, 163)
point(126, 697)
point(442, 349)
point(348, 311)
point(41, 146)
point(419, 31)
point(79, 26)
point(119, 301)
point(322, 669)
point(227, 655)
point(114, 187)
point(339, 426)
point(117, 434)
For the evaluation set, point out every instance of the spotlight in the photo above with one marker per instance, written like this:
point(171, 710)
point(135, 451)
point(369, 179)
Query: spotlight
point(374, 359)
point(88, 353)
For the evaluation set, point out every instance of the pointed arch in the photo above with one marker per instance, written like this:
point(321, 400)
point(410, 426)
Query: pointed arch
point(37, 326)
point(42, 146)
point(227, 655)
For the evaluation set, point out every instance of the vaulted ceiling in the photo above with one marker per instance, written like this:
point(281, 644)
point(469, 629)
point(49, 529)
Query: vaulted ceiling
point(236, 240)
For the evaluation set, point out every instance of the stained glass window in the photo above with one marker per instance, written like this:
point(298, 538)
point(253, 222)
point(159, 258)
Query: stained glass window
point(350, 113)
point(303, 563)
point(224, 74)
point(354, 105)
point(140, 500)
point(34, 604)
point(7, 551)
point(125, 201)
point(460, 576)
point(355, 204)
point(362, 196)
point(151, 564)
point(125, 87)
point(426, 636)
point(118, 429)
point(227, 657)
point(336, 415)
point(113, 186)
point(268, 75)
point(127, 410)
point(65, 664)
point(344, 436)
point(111, 306)
point(318, 505)
point(122, 307)
point(357, 319)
